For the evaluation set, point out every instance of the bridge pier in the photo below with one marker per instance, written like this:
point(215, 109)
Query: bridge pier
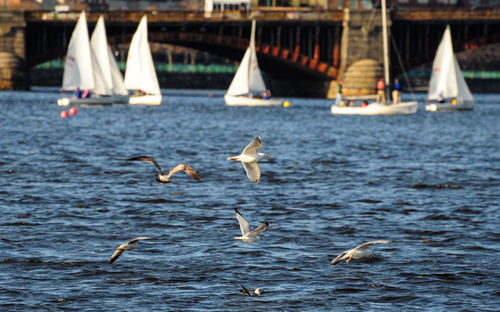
point(361, 55)
point(14, 74)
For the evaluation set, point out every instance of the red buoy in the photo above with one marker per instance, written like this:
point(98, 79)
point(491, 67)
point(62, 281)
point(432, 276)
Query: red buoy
point(64, 114)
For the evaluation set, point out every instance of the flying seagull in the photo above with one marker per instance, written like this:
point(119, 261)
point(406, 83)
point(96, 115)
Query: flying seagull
point(247, 235)
point(357, 253)
point(163, 176)
point(126, 246)
point(250, 293)
point(250, 158)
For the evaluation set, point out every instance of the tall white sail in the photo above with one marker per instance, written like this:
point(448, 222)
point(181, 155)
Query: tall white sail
point(248, 78)
point(116, 75)
point(140, 73)
point(100, 59)
point(446, 77)
point(78, 64)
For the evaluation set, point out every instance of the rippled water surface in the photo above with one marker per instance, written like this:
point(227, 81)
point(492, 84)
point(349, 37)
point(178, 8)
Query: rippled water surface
point(429, 182)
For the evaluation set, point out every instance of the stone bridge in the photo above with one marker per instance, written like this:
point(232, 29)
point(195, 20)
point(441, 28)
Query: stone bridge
point(303, 53)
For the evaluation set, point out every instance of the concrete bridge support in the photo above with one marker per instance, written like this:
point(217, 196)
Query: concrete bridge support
point(14, 74)
point(361, 58)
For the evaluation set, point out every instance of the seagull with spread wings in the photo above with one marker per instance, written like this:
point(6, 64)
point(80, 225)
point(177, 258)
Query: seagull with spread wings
point(247, 235)
point(163, 176)
point(126, 246)
point(250, 293)
point(249, 158)
point(359, 252)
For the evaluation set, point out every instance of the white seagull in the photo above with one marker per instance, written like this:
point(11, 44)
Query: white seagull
point(163, 176)
point(250, 158)
point(247, 235)
point(250, 293)
point(358, 253)
point(126, 246)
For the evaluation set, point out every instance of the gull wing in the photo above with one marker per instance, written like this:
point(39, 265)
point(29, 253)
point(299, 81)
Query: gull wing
point(368, 244)
point(244, 227)
point(182, 167)
point(124, 247)
point(339, 258)
point(253, 171)
point(146, 159)
point(253, 147)
point(118, 253)
point(261, 228)
point(135, 240)
point(245, 291)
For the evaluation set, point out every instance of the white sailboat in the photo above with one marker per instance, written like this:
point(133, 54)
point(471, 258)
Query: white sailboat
point(78, 72)
point(101, 76)
point(448, 90)
point(107, 75)
point(140, 74)
point(248, 87)
point(374, 108)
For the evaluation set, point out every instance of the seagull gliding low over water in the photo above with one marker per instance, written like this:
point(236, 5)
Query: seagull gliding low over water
point(163, 176)
point(247, 235)
point(358, 253)
point(126, 246)
point(249, 158)
point(250, 293)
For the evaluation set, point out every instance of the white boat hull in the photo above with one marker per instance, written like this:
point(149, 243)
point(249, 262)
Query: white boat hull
point(149, 99)
point(404, 108)
point(449, 107)
point(248, 101)
point(66, 101)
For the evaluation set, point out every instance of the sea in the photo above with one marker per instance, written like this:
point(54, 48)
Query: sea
point(429, 183)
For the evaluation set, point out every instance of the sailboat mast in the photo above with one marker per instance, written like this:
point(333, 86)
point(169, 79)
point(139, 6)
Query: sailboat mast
point(386, 46)
point(252, 48)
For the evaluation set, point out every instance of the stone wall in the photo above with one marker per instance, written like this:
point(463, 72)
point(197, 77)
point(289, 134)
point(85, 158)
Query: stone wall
point(14, 74)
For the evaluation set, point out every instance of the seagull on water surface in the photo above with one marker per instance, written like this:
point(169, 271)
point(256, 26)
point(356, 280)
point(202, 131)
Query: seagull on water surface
point(249, 158)
point(126, 246)
point(247, 235)
point(358, 253)
point(163, 176)
point(250, 293)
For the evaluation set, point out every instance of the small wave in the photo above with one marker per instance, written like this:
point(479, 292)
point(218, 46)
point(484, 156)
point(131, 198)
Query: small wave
point(369, 201)
point(420, 186)
point(20, 224)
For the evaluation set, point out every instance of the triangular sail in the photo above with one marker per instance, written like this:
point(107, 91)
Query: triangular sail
point(140, 73)
point(446, 78)
point(100, 59)
point(78, 64)
point(116, 75)
point(248, 78)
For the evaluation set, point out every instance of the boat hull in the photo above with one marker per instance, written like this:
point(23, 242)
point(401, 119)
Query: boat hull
point(404, 108)
point(449, 107)
point(248, 101)
point(66, 101)
point(149, 99)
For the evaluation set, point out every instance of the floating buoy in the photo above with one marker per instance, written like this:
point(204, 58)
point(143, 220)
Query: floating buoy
point(286, 104)
point(64, 114)
point(72, 111)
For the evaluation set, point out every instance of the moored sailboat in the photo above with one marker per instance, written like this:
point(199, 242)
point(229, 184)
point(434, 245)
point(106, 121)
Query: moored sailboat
point(101, 78)
point(376, 108)
point(448, 90)
point(248, 87)
point(140, 75)
point(78, 72)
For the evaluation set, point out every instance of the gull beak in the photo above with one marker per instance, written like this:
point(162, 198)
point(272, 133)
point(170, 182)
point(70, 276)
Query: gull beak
point(268, 156)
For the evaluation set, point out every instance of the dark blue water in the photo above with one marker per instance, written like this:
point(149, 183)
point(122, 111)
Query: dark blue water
point(429, 182)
